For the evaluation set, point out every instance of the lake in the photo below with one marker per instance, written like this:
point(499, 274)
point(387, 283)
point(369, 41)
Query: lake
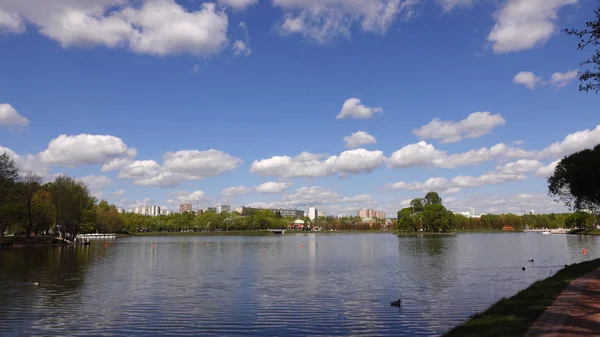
point(291, 285)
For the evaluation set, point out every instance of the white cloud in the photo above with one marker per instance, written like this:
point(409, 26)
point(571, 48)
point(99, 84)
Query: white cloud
point(438, 184)
point(525, 24)
point(417, 154)
point(520, 167)
point(356, 161)
point(156, 27)
point(353, 108)
point(322, 21)
point(8, 114)
point(572, 143)
point(560, 80)
point(490, 178)
point(359, 199)
point(472, 157)
point(547, 171)
point(448, 5)
point(516, 204)
point(475, 125)
point(238, 4)
point(528, 79)
point(240, 48)
point(196, 69)
point(84, 149)
point(273, 187)
point(11, 22)
point(359, 139)
point(119, 193)
point(311, 196)
point(186, 197)
point(177, 167)
point(96, 182)
point(305, 165)
point(115, 164)
point(518, 142)
point(234, 191)
point(28, 163)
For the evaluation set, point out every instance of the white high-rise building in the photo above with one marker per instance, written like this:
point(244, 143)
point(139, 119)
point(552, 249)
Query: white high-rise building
point(155, 211)
point(223, 209)
point(313, 213)
point(471, 212)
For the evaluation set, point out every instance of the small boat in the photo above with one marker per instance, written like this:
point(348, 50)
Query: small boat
point(546, 232)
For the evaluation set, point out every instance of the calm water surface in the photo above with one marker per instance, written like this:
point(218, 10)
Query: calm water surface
point(272, 286)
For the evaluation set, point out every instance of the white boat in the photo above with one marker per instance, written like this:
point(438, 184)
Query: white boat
point(546, 232)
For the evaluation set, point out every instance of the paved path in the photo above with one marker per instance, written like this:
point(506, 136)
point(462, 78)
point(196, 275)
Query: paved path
point(575, 312)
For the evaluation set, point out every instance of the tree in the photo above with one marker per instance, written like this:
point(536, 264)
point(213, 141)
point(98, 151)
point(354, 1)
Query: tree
point(417, 205)
point(43, 211)
point(436, 218)
point(581, 220)
point(576, 180)
point(73, 204)
point(8, 176)
point(406, 222)
point(590, 36)
point(27, 189)
point(432, 198)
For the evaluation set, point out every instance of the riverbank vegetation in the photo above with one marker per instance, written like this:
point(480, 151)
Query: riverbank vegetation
point(428, 214)
point(513, 316)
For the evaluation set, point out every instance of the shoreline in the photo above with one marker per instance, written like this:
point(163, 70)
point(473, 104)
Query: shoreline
point(34, 241)
point(514, 316)
point(249, 233)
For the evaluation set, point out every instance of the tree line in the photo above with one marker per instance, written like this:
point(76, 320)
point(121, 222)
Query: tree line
point(428, 214)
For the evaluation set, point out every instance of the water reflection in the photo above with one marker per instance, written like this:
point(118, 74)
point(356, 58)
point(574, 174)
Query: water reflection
point(272, 286)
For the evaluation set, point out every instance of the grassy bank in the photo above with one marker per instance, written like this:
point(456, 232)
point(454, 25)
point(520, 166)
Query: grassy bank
point(585, 231)
point(513, 316)
point(34, 241)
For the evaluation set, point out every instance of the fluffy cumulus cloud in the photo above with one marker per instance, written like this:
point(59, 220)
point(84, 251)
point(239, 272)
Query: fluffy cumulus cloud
point(85, 149)
point(187, 197)
point(417, 154)
point(8, 114)
point(525, 24)
point(179, 166)
point(96, 182)
point(475, 125)
point(548, 170)
point(308, 165)
point(322, 21)
point(11, 22)
point(560, 80)
point(472, 157)
point(528, 79)
point(273, 187)
point(305, 165)
point(119, 193)
point(437, 184)
point(572, 143)
point(28, 163)
point(156, 27)
point(238, 4)
point(353, 108)
point(359, 139)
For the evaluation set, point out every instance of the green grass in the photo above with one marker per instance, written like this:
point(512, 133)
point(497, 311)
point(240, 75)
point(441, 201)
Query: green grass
point(513, 316)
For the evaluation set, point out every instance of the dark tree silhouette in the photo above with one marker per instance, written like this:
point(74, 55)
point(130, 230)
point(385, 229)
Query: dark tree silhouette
point(590, 36)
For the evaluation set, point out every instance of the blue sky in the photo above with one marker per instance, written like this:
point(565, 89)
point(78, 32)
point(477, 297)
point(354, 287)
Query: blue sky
point(159, 102)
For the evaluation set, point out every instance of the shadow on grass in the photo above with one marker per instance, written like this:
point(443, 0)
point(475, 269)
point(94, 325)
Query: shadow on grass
point(513, 316)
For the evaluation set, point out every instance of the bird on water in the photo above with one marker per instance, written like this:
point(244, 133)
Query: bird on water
point(397, 303)
point(523, 268)
point(530, 260)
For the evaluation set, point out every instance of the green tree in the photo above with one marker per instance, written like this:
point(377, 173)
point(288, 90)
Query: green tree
point(590, 36)
point(406, 222)
point(27, 189)
point(8, 177)
point(43, 211)
point(436, 218)
point(432, 198)
point(417, 205)
point(576, 180)
point(581, 220)
point(73, 205)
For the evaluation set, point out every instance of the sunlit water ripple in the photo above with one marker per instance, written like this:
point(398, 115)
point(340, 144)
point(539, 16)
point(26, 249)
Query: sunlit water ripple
point(272, 286)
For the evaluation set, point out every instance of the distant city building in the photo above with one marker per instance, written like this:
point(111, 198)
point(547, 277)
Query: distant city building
point(223, 209)
point(322, 214)
point(183, 208)
point(341, 216)
point(164, 211)
point(371, 213)
point(155, 211)
point(471, 212)
point(211, 209)
point(313, 213)
point(531, 212)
